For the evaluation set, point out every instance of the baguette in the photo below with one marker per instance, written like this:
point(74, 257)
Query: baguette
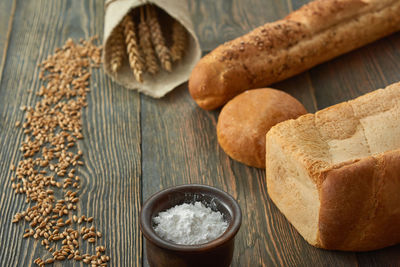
point(317, 32)
point(335, 175)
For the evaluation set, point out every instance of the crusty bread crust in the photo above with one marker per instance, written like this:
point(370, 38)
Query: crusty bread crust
point(360, 204)
point(244, 121)
point(351, 156)
point(317, 32)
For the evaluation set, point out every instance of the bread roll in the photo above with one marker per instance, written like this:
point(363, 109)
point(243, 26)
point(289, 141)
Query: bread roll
point(244, 121)
point(317, 32)
point(335, 174)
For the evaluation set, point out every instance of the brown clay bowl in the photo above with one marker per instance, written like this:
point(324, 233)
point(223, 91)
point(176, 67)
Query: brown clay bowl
point(218, 252)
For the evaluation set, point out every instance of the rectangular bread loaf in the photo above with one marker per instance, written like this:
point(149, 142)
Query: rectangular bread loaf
point(335, 174)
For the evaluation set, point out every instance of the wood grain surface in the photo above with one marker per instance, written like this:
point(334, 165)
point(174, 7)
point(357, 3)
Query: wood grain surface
point(135, 145)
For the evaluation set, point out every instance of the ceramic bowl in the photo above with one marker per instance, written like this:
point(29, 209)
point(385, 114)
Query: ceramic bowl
point(217, 252)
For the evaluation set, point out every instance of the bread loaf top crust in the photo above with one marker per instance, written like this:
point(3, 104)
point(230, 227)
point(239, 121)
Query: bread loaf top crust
point(366, 126)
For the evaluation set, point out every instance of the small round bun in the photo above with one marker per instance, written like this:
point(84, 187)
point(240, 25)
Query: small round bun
point(245, 120)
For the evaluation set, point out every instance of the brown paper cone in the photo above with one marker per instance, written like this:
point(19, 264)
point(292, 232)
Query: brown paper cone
point(163, 82)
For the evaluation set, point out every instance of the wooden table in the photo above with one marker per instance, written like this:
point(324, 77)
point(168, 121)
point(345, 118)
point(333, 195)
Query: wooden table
point(135, 145)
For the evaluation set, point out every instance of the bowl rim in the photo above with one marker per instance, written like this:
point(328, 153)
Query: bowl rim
point(152, 236)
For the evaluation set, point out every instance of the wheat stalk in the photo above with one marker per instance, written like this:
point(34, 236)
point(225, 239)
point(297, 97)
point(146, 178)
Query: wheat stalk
point(132, 48)
point(117, 47)
point(146, 45)
point(158, 40)
point(179, 41)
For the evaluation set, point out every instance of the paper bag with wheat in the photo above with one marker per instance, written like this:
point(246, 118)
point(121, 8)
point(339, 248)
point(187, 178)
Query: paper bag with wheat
point(149, 45)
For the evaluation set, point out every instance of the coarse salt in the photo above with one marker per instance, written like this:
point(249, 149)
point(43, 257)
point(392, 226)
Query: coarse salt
point(190, 224)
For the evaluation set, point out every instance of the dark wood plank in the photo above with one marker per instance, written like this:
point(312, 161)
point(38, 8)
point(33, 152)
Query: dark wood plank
point(296, 4)
point(7, 11)
point(114, 144)
point(17, 78)
point(110, 189)
point(218, 21)
point(358, 72)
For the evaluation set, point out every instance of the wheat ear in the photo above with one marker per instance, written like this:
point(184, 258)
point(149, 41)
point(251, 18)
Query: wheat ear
point(146, 45)
point(158, 40)
point(117, 49)
point(132, 48)
point(179, 41)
